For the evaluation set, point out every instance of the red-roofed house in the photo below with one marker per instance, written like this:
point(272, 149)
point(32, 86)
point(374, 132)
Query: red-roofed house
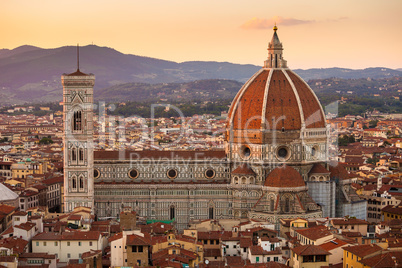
point(29, 259)
point(314, 236)
point(26, 230)
point(309, 256)
point(352, 225)
point(335, 248)
point(256, 254)
point(353, 254)
point(13, 245)
point(128, 248)
point(6, 213)
point(68, 245)
point(138, 249)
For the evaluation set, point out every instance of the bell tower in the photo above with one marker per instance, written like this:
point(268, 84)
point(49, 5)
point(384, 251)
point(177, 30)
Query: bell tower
point(78, 139)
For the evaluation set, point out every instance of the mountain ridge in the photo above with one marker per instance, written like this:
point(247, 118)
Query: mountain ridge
point(29, 73)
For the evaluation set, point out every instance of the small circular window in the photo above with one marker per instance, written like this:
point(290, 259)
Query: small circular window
point(96, 173)
point(245, 151)
point(210, 173)
point(282, 153)
point(133, 173)
point(172, 173)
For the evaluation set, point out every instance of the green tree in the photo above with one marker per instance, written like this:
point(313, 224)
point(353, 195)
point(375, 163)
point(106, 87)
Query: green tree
point(46, 140)
point(373, 123)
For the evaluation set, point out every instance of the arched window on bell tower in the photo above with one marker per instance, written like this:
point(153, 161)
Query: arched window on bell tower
point(172, 213)
point(81, 182)
point(73, 154)
point(81, 154)
point(77, 120)
point(211, 213)
point(74, 183)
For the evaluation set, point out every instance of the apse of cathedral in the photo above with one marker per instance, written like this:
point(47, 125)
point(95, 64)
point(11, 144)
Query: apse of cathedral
point(274, 165)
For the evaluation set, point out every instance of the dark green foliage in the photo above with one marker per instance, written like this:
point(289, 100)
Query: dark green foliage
point(345, 140)
point(373, 160)
point(46, 140)
point(373, 123)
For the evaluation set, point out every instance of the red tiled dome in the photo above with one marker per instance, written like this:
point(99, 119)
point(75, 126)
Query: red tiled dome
point(284, 176)
point(275, 98)
point(280, 98)
point(338, 171)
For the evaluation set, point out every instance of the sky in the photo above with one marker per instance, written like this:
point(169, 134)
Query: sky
point(315, 34)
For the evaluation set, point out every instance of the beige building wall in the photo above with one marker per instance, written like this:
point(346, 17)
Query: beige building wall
point(66, 249)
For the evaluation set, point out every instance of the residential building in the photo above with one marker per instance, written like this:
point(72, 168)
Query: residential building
point(353, 255)
point(350, 224)
point(391, 212)
point(309, 256)
point(31, 259)
point(54, 193)
point(67, 245)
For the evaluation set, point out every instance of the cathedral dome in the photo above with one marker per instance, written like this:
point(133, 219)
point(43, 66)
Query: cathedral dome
point(275, 98)
point(276, 117)
point(284, 177)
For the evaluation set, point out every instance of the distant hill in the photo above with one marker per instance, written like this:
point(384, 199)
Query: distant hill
point(10, 52)
point(32, 74)
point(200, 90)
point(343, 73)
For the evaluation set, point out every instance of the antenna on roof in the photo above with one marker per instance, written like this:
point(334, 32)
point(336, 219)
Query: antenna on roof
point(78, 57)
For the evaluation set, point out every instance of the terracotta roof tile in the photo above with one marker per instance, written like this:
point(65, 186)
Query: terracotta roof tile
point(393, 209)
point(138, 240)
point(77, 235)
point(338, 172)
point(212, 252)
point(336, 243)
point(318, 169)
point(363, 250)
point(18, 245)
point(315, 233)
point(308, 250)
point(244, 169)
point(386, 260)
point(26, 226)
point(346, 221)
point(284, 176)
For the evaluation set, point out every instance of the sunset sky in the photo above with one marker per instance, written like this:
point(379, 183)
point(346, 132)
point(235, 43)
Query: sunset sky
point(315, 34)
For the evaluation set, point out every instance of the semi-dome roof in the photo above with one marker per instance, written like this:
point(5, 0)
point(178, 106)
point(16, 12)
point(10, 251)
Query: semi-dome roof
point(275, 98)
point(284, 176)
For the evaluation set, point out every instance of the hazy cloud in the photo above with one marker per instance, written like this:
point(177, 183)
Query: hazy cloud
point(338, 19)
point(256, 23)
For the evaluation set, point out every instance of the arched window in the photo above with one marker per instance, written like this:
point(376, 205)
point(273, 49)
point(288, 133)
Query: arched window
point(81, 154)
point(74, 183)
point(77, 120)
point(287, 204)
point(81, 183)
point(211, 213)
point(172, 213)
point(271, 204)
point(73, 154)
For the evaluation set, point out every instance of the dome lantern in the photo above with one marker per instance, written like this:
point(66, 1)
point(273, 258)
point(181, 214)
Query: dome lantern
point(275, 48)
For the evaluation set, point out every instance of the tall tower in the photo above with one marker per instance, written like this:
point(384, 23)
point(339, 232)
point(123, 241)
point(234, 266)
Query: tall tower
point(78, 139)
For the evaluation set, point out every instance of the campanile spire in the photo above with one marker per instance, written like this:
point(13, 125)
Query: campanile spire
point(275, 48)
